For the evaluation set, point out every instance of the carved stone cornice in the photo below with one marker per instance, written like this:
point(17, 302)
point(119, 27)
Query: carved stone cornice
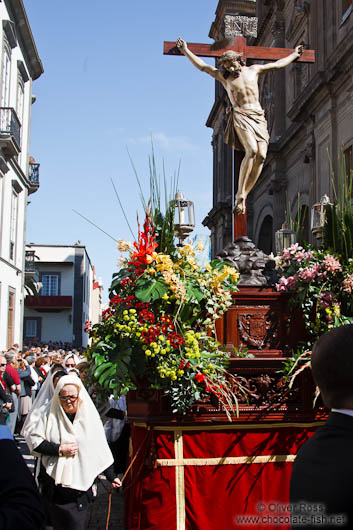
point(230, 7)
point(34, 63)
point(220, 211)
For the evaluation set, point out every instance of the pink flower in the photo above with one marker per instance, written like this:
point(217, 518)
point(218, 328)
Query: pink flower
point(286, 284)
point(289, 253)
point(300, 256)
point(309, 273)
point(348, 283)
point(332, 264)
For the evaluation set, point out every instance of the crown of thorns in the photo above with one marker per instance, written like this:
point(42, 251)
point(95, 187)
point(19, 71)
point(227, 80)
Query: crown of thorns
point(230, 54)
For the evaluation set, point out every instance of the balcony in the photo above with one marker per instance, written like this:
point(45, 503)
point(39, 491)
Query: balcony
point(33, 177)
point(44, 303)
point(10, 132)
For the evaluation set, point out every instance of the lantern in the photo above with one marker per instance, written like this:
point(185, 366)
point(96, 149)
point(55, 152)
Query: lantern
point(318, 214)
point(184, 217)
point(284, 238)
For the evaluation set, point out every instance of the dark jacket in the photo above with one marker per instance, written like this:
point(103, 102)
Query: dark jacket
point(322, 474)
point(20, 506)
point(26, 381)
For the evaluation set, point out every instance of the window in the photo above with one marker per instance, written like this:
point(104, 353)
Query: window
point(32, 328)
point(20, 97)
point(6, 66)
point(50, 284)
point(13, 224)
point(10, 318)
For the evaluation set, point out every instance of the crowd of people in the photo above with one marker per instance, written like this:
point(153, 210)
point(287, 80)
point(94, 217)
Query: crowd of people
point(43, 397)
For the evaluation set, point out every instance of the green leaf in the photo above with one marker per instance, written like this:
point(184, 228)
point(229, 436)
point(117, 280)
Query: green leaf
point(218, 264)
point(98, 358)
point(107, 374)
point(101, 368)
point(150, 289)
point(193, 292)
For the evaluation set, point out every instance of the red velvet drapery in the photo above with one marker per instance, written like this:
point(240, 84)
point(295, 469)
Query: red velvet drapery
point(210, 479)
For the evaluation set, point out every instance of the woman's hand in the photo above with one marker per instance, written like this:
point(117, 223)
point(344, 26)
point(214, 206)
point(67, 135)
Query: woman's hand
point(68, 449)
point(116, 483)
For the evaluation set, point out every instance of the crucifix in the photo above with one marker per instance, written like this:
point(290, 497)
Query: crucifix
point(246, 128)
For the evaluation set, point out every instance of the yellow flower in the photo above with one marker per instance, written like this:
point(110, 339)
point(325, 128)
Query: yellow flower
point(199, 246)
point(123, 246)
point(149, 259)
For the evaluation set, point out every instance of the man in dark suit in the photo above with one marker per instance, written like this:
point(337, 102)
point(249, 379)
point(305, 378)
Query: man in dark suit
point(20, 505)
point(321, 488)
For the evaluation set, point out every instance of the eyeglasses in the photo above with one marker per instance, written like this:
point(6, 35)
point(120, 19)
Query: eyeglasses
point(70, 365)
point(68, 398)
point(3, 364)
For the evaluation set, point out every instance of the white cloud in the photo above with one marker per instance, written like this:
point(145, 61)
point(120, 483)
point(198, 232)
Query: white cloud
point(160, 139)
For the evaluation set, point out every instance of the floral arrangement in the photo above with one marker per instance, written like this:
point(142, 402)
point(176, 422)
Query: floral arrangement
point(159, 328)
point(322, 285)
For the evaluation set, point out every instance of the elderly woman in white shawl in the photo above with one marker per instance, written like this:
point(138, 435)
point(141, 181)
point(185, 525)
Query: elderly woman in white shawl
point(74, 451)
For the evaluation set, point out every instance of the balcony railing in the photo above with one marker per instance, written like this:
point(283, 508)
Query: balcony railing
point(48, 302)
point(10, 124)
point(33, 174)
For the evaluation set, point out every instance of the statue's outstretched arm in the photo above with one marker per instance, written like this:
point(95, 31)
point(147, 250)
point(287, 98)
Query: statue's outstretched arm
point(281, 62)
point(196, 61)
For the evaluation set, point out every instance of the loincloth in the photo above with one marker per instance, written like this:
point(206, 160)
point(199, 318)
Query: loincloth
point(250, 120)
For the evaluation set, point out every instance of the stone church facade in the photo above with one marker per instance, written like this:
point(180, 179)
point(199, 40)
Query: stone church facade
point(309, 109)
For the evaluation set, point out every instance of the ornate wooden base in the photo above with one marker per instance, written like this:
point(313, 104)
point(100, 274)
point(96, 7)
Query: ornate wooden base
point(265, 398)
point(258, 322)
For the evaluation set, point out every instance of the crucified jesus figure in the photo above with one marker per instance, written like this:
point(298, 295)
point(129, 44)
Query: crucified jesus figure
point(247, 127)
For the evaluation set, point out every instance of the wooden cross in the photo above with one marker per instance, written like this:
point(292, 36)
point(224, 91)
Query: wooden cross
point(249, 52)
point(239, 45)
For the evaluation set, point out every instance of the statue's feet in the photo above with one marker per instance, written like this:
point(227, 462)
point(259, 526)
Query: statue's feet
point(239, 205)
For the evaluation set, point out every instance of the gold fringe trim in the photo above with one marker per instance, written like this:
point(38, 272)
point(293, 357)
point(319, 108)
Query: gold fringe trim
point(224, 460)
point(228, 427)
point(179, 481)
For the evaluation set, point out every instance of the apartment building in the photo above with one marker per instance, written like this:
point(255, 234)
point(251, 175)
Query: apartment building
point(19, 174)
point(68, 295)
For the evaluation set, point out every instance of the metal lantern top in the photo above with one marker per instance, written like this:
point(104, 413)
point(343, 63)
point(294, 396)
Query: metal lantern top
point(318, 213)
point(184, 211)
point(184, 216)
point(284, 238)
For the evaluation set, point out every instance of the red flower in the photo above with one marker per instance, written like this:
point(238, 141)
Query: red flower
point(147, 316)
point(199, 378)
point(145, 246)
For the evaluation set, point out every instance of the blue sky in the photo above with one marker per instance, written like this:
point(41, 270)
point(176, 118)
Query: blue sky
point(106, 89)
